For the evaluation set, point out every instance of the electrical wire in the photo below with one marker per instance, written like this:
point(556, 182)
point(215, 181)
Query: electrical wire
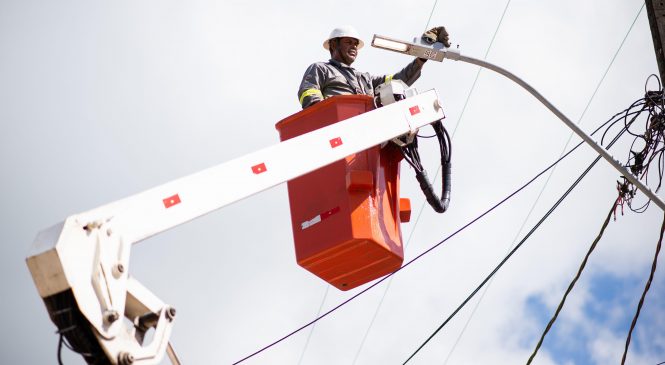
point(647, 147)
point(572, 284)
point(644, 293)
point(430, 15)
point(429, 19)
point(311, 331)
point(626, 193)
point(440, 205)
point(549, 177)
point(623, 192)
point(626, 128)
point(533, 229)
point(505, 259)
point(475, 81)
point(72, 330)
point(482, 215)
point(431, 136)
point(60, 350)
point(607, 70)
point(436, 175)
point(384, 277)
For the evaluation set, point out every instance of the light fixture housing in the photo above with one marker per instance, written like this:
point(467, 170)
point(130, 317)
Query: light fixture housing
point(435, 52)
point(389, 44)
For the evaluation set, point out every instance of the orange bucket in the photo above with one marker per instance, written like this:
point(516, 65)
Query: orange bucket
point(345, 216)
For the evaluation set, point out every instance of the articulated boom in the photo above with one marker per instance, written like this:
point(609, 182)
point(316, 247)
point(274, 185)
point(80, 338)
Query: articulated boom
point(81, 266)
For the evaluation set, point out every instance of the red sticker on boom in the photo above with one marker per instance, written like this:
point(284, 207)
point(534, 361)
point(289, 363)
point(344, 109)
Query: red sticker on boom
point(260, 168)
point(171, 201)
point(414, 110)
point(335, 142)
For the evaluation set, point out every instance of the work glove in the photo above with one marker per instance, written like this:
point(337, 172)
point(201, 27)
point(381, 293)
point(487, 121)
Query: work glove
point(436, 34)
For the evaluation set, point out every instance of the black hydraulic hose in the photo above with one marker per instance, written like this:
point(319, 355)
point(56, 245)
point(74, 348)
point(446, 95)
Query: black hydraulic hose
point(439, 205)
point(410, 152)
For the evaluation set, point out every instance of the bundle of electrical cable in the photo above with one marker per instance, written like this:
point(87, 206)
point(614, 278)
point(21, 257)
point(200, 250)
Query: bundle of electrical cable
point(412, 156)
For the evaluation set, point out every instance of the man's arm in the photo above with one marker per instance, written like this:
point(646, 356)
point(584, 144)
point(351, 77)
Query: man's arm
point(411, 72)
point(408, 74)
point(309, 91)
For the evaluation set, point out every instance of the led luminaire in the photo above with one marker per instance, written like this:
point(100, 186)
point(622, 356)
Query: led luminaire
point(434, 52)
point(389, 44)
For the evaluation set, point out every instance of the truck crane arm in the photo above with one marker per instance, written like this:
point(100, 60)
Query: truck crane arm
point(81, 266)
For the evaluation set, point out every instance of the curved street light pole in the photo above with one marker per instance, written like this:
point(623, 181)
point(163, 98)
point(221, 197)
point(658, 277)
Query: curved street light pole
point(438, 53)
point(455, 55)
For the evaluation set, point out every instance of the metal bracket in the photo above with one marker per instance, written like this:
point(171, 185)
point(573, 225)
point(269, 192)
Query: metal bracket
point(405, 139)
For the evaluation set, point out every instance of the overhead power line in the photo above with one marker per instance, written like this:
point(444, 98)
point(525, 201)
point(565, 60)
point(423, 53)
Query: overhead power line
point(389, 276)
point(482, 215)
point(572, 284)
point(436, 174)
point(505, 259)
point(475, 81)
point(311, 331)
point(362, 342)
point(547, 181)
point(644, 293)
point(639, 163)
point(430, 15)
point(429, 19)
point(626, 113)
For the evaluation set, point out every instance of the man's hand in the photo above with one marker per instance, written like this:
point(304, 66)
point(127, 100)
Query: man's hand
point(437, 34)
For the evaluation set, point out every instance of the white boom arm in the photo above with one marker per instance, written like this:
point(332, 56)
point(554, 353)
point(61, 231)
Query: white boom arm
point(80, 266)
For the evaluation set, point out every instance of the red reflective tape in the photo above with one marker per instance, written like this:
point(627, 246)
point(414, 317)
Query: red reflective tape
point(336, 142)
point(414, 110)
point(260, 168)
point(171, 201)
point(327, 214)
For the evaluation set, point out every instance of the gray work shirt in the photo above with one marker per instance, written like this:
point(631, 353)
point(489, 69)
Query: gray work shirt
point(325, 79)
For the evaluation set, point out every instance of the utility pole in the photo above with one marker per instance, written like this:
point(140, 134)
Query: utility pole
point(656, 14)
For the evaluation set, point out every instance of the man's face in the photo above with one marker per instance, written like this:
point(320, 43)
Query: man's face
point(345, 50)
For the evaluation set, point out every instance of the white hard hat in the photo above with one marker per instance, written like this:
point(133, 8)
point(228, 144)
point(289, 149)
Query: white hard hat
point(344, 31)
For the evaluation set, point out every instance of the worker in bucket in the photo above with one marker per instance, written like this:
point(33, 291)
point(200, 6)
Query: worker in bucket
point(337, 77)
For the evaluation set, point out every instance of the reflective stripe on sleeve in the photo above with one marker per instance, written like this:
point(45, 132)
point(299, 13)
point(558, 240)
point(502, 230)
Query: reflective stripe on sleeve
point(310, 92)
point(389, 78)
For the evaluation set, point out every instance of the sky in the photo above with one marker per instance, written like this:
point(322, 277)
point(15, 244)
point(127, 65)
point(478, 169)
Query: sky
point(102, 100)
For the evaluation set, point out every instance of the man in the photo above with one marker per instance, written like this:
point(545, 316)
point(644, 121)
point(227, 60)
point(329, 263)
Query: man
point(337, 77)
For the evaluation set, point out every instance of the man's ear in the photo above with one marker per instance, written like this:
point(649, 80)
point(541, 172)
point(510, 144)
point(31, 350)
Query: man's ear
point(332, 45)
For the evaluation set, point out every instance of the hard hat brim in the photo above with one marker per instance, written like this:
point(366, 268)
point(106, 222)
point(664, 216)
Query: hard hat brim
point(326, 44)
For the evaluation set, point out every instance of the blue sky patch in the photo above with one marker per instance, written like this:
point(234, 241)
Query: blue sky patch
point(611, 305)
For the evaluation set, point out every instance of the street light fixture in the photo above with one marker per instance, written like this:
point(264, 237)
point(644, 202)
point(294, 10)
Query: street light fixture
point(437, 52)
point(434, 52)
point(389, 44)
